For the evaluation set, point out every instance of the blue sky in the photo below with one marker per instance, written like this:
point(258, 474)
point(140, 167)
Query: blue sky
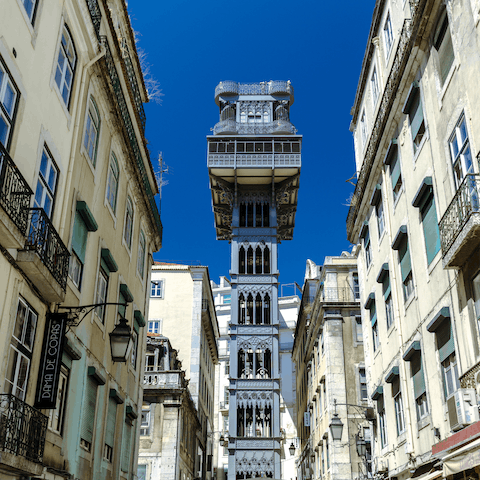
point(193, 45)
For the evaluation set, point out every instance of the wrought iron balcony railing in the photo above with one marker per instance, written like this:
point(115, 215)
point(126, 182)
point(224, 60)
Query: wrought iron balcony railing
point(15, 193)
point(402, 55)
point(46, 242)
point(162, 379)
point(337, 294)
point(22, 428)
point(465, 202)
point(231, 126)
point(95, 15)
point(130, 130)
point(264, 88)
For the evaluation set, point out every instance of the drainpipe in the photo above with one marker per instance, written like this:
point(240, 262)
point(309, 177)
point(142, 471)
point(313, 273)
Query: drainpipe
point(75, 131)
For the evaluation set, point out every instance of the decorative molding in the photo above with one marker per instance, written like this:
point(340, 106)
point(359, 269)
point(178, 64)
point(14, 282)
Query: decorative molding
point(255, 330)
point(255, 461)
point(244, 342)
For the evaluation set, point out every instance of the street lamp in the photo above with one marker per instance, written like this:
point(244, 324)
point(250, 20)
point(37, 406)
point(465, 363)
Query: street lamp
point(291, 449)
point(336, 427)
point(361, 446)
point(121, 341)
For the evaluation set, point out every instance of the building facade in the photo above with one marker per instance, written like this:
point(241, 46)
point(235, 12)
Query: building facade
point(170, 425)
point(328, 353)
point(78, 226)
point(288, 310)
point(414, 212)
point(182, 309)
point(254, 165)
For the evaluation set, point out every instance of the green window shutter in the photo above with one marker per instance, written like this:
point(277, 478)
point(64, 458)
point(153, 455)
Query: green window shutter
point(111, 420)
point(386, 286)
point(395, 170)
point(88, 414)
point(430, 228)
point(79, 240)
point(445, 343)
point(121, 308)
point(404, 257)
point(417, 375)
point(416, 114)
point(446, 55)
point(373, 313)
point(126, 447)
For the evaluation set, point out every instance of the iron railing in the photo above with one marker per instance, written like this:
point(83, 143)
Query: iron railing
point(15, 193)
point(22, 428)
point(231, 126)
point(264, 88)
point(132, 80)
point(130, 131)
point(402, 55)
point(162, 379)
point(465, 202)
point(95, 15)
point(46, 242)
point(337, 294)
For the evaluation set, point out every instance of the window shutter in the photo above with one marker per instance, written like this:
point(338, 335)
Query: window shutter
point(373, 313)
point(417, 375)
point(88, 415)
point(121, 308)
point(416, 114)
point(430, 228)
point(405, 263)
point(111, 420)
point(445, 343)
point(386, 287)
point(79, 240)
point(395, 170)
point(126, 453)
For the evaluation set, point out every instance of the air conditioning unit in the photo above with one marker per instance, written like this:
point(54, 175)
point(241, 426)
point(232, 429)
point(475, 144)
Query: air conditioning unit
point(381, 465)
point(462, 408)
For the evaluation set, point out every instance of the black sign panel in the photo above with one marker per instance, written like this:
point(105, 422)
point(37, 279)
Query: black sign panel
point(51, 360)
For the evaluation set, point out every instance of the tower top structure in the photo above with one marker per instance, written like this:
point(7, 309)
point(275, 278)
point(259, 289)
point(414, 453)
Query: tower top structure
point(254, 150)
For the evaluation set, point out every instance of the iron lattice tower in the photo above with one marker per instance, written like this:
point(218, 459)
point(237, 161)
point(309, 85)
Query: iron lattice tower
point(254, 160)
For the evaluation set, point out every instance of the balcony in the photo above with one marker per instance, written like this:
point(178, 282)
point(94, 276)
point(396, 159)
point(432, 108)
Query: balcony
point(337, 295)
point(22, 435)
point(229, 126)
point(15, 196)
point(460, 224)
point(274, 87)
point(45, 257)
point(161, 379)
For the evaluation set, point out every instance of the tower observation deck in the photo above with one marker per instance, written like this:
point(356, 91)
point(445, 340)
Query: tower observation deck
point(254, 161)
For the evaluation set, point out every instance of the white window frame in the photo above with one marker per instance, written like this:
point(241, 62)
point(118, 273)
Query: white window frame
point(8, 91)
point(113, 180)
point(153, 325)
point(101, 293)
point(46, 183)
point(363, 129)
point(450, 375)
point(390, 318)
point(388, 35)
point(458, 155)
point(157, 288)
point(56, 416)
point(145, 420)
point(75, 270)
point(142, 245)
point(91, 131)
point(129, 223)
point(64, 73)
point(375, 86)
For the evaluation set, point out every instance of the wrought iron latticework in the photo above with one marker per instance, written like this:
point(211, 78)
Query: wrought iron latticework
point(95, 15)
point(22, 428)
point(15, 193)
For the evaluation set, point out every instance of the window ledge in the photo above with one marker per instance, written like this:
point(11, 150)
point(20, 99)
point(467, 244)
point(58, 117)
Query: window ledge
point(424, 422)
point(420, 147)
point(409, 300)
point(434, 263)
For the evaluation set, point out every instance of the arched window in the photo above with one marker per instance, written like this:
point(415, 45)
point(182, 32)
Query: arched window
point(249, 309)
point(128, 230)
point(241, 260)
point(258, 309)
point(258, 260)
point(92, 127)
point(241, 309)
point(250, 260)
point(266, 260)
point(112, 182)
point(65, 69)
point(141, 254)
point(266, 309)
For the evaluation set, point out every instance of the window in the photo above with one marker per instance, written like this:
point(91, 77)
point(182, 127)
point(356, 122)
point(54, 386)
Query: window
point(141, 254)
point(145, 422)
point(133, 357)
point(451, 382)
point(156, 288)
point(92, 126)
point(414, 356)
point(356, 286)
point(112, 182)
point(362, 379)
point(128, 230)
point(389, 310)
point(476, 298)
point(101, 294)
point(401, 245)
point(226, 299)
point(56, 416)
point(110, 429)
point(442, 41)
point(388, 35)
point(8, 103)
point(79, 245)
point(413, 108)
point(367, 246)
point(370, 305)
point(88, 413)
point(363, 130)
point(227, 367)
point(21, 348)
point(141, 472)
point(358, 329)
point(374, 84)
point(377, 202)
point(46, 184)
point(460, 151)
point(425, 201)
point(382, 422)
point(384, 279)
point(155, 326)
point(226, 395)
point(392, 158)
point(65, 69)
point(126, 447)
point(398, 403)
point(376, 339)
point(30, 8)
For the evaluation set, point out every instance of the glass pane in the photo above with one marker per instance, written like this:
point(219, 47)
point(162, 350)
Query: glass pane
point(44, 165)
point(39, 195)
point(4, 126)
point(9, 99)
point(30, 329)
point(52, 178)
point(20, 321)
point(22, 377)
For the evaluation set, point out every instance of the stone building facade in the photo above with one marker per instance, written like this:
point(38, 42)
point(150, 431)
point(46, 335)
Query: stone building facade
point(328, 353)
point(414, 212)
point(182, 309)
point(78, 226)
point(254, 165)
